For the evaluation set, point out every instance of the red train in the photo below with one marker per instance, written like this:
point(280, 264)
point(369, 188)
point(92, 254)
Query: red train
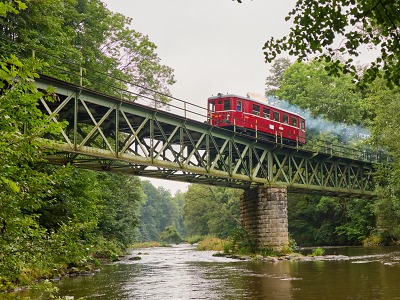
point(256, 118)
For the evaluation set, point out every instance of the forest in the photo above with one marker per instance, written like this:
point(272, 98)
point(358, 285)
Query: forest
point(53, 218)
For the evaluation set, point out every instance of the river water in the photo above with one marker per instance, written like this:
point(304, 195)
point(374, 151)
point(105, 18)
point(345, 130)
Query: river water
point(180, 272)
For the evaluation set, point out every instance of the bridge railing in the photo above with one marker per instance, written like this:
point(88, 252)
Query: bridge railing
point(118, 85)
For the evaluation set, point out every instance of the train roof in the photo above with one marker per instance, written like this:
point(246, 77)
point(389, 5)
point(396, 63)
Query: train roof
point(219, 96)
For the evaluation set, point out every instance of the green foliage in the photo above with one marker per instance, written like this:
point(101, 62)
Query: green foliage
point(309, 86)
point(211, 244)
point(52, 218)
point(23, 188)
point(318, 26)
point(194, 239)
point(318, 252)
point(385, 103)
point(211, 210)
point(277, 70)
point(159, 211)
point(373, 240)
point(330, 221)
point(82, 33)
point(170, 235)
point(121, 199)
point(241, 242)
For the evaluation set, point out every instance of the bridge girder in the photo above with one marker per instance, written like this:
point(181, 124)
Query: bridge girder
point(109, 134)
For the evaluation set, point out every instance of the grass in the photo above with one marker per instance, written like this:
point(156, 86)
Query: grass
point(146, 245)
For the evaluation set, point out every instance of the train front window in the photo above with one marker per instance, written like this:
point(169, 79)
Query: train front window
point(239, 105)
point(256, 110)
point(266, 112)
point(227, 104)
point(285, 119)
point(276, 116)
point(294, 122)
point(211, 106)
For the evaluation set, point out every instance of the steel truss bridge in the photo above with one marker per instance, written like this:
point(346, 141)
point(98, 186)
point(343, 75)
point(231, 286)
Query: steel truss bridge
point(112, 134)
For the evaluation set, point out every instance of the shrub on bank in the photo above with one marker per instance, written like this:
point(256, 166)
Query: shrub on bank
point(195, 239)
point(211, 244)
point(318, 252)
point(145, 245)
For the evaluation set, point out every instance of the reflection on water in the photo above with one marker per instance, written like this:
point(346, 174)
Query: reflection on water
point(180, 272)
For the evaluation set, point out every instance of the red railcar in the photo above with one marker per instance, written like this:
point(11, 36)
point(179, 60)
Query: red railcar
point(256, 118)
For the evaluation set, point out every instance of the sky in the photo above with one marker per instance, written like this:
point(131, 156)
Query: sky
point(214, 46)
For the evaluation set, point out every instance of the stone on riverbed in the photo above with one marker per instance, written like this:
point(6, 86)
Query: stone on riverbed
point(135, 258)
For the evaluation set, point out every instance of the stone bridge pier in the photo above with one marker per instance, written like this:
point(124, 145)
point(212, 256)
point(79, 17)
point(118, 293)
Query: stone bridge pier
point(264, 214)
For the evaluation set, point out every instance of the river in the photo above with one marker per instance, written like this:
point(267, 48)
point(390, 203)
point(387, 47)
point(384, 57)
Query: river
point(180, 272)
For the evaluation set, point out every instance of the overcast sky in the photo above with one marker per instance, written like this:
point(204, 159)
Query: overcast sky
point(214, 46)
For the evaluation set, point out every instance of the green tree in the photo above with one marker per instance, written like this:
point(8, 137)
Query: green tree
point(158, 211)
point(309, 86)
point(331, 28)
point(179, 200)
point(73, 33)
point(23, 187)
point(317, 220)
point(385, 103)
point(170, 235)
point(121, 197)
point(211, 210)
point(11, 7)
point(277, 70)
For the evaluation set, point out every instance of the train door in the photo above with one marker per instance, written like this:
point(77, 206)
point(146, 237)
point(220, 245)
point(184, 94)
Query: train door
point(211, 106)
point(211, 110)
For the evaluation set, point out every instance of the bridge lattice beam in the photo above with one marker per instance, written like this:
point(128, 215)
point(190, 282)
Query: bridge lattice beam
point(107, 133)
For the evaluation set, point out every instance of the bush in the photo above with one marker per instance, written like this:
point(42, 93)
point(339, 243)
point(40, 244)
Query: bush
point(211, 244)
point(373, 240)
point(318, 252)
point(242, 242)
point(170, 235)
point(195, 239)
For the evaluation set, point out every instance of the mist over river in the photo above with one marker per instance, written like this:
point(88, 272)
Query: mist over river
point(180, 272)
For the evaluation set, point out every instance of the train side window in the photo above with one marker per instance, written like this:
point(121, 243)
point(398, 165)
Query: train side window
point(227, 104)
point(211, 106)
point(266, 112)
point(294, 121)
point(302, 125)
point(239, 105)
point(276, 116)
point(256, 109)
point(285, 119)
